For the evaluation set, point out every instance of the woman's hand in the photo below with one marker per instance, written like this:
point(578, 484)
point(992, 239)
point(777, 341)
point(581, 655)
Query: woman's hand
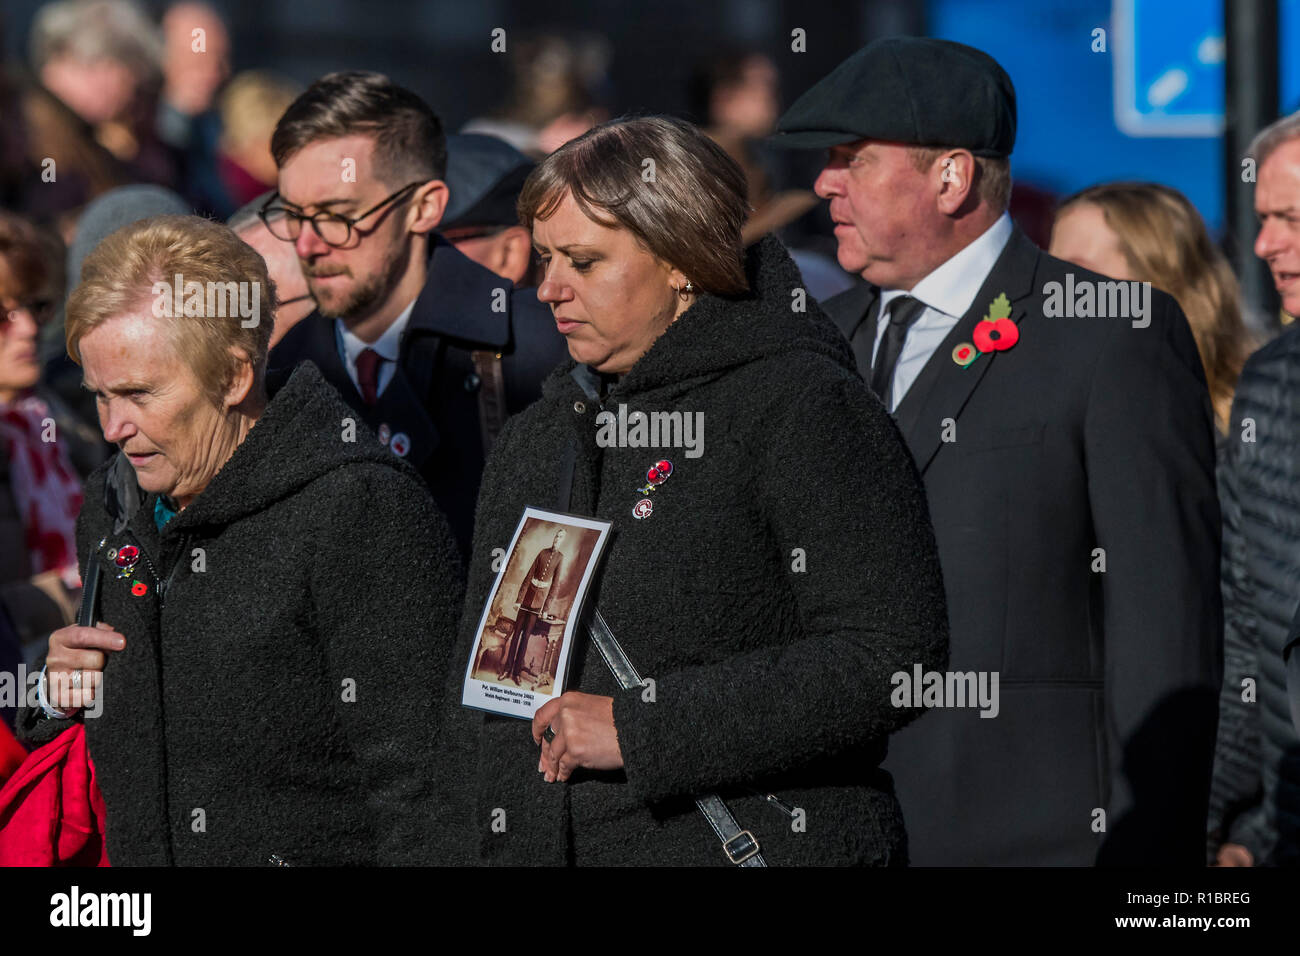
point(584, 735)
point(82, 649)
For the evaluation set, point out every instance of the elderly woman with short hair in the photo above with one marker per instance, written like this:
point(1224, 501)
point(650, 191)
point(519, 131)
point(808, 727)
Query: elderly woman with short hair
point(770, 582)
point(277, 588)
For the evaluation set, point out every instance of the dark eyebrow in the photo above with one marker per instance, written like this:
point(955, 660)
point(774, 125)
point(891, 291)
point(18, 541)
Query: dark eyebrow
point(320, 205)
point(567, 250)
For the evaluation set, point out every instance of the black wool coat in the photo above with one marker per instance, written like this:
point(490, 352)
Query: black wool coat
point(293, 620)
point(783, 576)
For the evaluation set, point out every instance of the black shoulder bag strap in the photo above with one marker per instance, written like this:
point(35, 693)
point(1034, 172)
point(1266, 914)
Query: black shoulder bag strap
point(90, 589)
point(739, 845)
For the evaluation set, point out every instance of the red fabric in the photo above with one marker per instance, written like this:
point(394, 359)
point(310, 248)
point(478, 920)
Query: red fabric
point(12, 753)
point(242, 185)
point(46, 489)
point(51, 810)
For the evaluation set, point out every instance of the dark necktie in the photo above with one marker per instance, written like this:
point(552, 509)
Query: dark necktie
point(368, 375)
point(903, 313)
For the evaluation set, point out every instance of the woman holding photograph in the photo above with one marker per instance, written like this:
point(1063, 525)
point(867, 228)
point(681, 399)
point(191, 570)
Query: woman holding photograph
point(767, 577)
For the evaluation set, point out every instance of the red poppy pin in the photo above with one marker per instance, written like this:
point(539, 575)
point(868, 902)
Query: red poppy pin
point(139, 588)
point(993, 333)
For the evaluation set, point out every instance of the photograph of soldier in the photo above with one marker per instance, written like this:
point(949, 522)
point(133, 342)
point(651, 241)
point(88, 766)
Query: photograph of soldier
point(521, 637)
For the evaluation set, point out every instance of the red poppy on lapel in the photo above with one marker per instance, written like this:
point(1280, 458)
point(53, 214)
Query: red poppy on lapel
point(996, 332)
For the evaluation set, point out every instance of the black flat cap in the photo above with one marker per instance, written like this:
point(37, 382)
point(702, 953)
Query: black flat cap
point(914, 90)
point(484, 177)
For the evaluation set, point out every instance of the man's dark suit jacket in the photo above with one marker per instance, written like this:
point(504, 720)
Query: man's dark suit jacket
point(433, 397)
point(1087, 434)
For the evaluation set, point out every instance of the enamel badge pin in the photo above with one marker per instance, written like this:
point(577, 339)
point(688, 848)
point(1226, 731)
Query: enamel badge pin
point(126, 558)
point(657, 474)
point(993, 333)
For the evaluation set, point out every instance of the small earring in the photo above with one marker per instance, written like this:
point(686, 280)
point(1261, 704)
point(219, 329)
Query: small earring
point(689, 286)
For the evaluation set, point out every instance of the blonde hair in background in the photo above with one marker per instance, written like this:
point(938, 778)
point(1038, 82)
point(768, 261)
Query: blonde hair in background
point(251, 104)
point(1165, 242)
point(118, 276)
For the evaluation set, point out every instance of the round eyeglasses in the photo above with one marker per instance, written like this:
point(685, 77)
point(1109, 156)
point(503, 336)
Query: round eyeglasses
point(333, 229)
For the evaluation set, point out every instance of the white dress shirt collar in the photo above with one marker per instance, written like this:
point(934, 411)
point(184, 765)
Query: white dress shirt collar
point(387, 346)
point(952, 287)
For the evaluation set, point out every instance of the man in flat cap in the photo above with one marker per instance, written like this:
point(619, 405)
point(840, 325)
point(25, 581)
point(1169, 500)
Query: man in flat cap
point(1069, 464)
point(484, 177)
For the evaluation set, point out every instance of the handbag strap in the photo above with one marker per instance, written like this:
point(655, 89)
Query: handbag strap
point(88, 613)
point(739, 845)
point(491, 396)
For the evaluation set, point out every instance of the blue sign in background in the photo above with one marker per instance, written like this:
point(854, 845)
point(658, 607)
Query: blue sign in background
point(1168, 68)
point(1069, 134)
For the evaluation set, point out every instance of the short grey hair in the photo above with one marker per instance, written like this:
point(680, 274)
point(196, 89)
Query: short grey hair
point(1272, 136)
point(118, 30)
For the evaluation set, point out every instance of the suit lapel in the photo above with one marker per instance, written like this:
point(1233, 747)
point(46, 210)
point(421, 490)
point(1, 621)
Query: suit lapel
point(944, 387)
point(402, 409)
point(851, 308)
point(320, 345)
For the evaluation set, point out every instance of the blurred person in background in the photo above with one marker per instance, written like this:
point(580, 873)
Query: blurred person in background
point(51, 164)
point(103, 59)
point(1255, 818)
point(251, 105)
point(1147, 232)
point(328, 586)
point(557, 84)
point(195, 65)
point(293, 301)
point(431, 349)
point(484, 178)
point(44, 453)
point(737, 94)
point(196, 58)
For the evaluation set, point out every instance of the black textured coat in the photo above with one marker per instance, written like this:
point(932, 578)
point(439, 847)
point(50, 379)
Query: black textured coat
point(767, 674)
point(278, 690)
point(1256, 792)
point(433, 398)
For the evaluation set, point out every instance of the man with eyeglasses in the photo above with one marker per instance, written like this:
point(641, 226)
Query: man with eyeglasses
point(293, 302)
point(432, 350)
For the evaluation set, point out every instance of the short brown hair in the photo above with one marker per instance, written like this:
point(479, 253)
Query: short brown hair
point(33, 258)
point(690, 214)
point(410, 144)
point(118, 278)
point(992, 174)
point(1165, 242)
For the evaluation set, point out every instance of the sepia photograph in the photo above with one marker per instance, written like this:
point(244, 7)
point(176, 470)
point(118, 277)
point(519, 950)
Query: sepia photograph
point(525, 634)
